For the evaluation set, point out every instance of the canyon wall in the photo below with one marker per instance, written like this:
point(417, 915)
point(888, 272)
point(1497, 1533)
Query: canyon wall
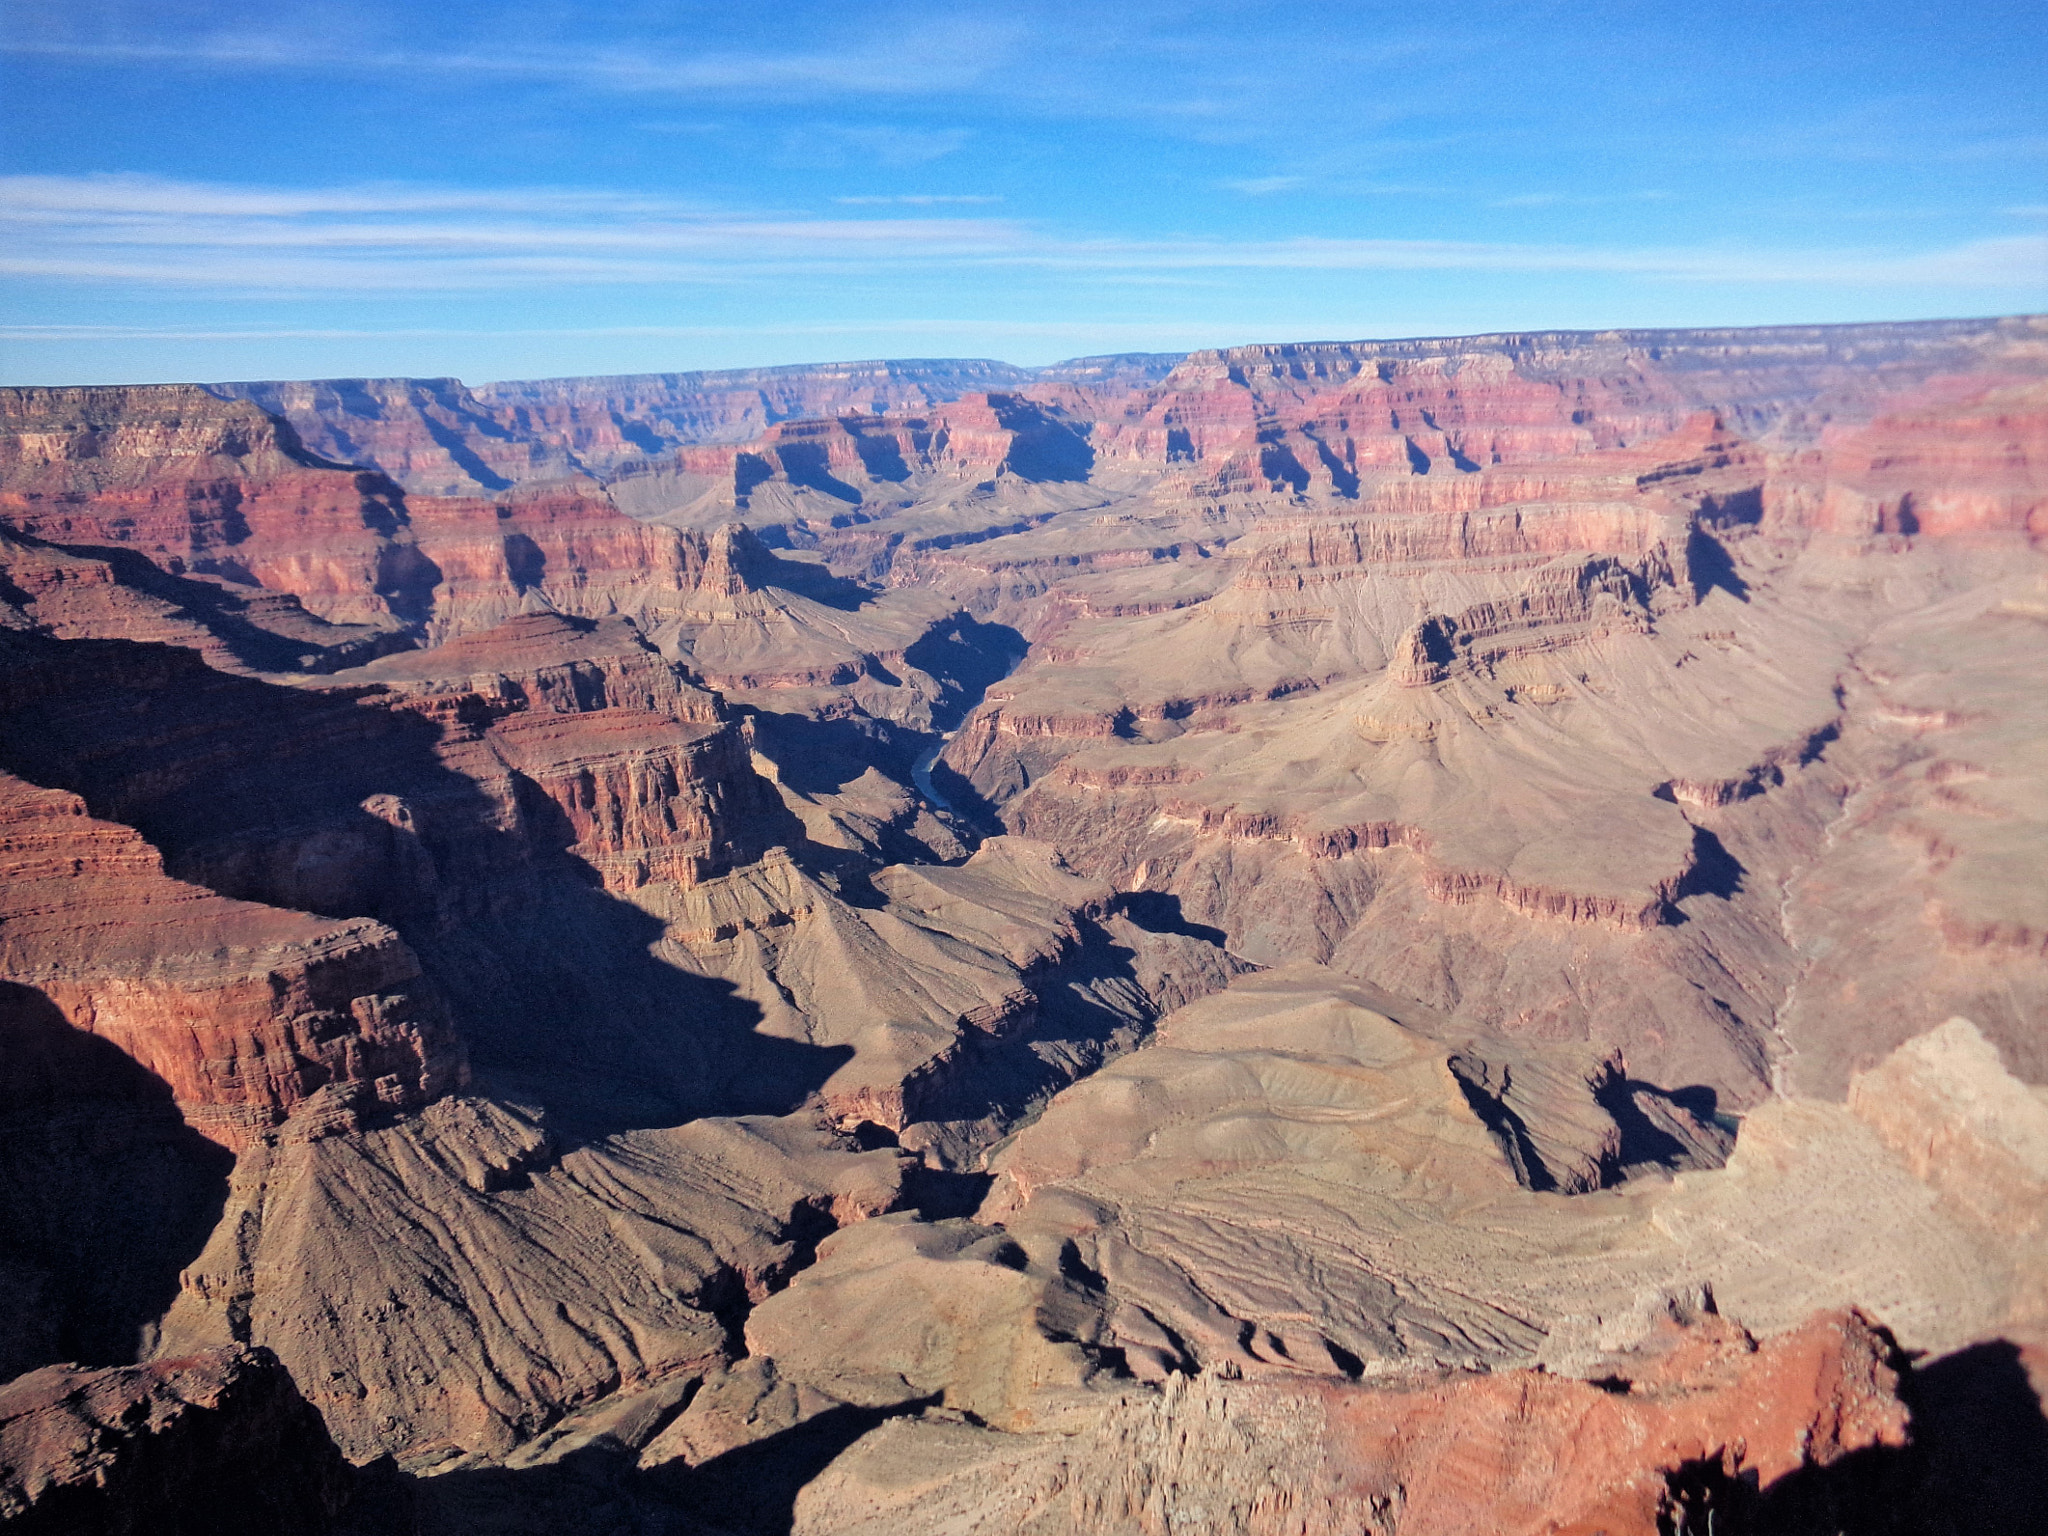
point(923, 942)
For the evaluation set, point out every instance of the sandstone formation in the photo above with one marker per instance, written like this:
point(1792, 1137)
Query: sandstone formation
point(1411, 936)
point(244, 1011)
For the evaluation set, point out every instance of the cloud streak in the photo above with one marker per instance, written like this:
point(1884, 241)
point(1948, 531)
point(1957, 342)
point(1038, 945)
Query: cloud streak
point(942, 55)
point(150, 234)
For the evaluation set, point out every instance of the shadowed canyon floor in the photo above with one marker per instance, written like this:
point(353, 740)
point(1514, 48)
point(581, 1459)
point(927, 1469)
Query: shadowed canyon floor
point(1427, 936)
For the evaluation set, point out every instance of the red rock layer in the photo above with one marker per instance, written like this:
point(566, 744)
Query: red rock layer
point(641, 798)
point(218, 1443)
point(217, 488)
point(1710, 1416)
point(1970, 456)
point(565, 540)
point(436, 437)
point(547, 662)
point(245, 1011)
point(199, 484)
point(432, 436)
point(1284, 417)
point(100, 592)
point(976, 435)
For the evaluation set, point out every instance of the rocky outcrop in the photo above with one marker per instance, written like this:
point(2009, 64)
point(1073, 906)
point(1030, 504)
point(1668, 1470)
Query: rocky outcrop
point(640, 799)
point(548, 663)
point(562, 545)
point(432, 436)
point(1284, 1183)
point(1967, 457)
point(247, 1013)
point(219, 1442)
point(1705, 1419)
point(436, 437)
point(1944, 1103)
point(450, 1286)
point(219, 489)
point(101, 592)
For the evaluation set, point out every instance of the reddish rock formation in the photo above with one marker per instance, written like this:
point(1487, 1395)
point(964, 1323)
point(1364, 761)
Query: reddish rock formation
point(1970, 456)
point(218, 1443)
point(219, 489)
point(216, 488)
point(437, 438)
point(1701, 1417)
point(246, 1012)
point(545, 662)
point(563, 543)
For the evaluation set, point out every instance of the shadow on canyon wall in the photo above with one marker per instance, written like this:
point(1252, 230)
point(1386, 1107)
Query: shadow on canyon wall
point(1977, 1465)
point(748, 1491)
point(105, 1192)
point(259, 791)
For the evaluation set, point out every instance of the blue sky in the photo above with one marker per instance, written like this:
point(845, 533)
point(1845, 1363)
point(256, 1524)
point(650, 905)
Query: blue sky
point(212, 191)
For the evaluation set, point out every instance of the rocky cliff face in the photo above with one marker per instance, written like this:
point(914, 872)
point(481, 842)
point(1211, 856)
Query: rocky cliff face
point(931, 942)
point(220, 490)
point(246, 1013)
point(215, 1442)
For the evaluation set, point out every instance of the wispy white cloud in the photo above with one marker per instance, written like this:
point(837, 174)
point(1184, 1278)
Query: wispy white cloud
point(1578, 200)
point(1264, 186)
point(922, 325)
point(141, 233)
point(938, 55)
point(880, 143)
point(150, 232)
point(915, 199)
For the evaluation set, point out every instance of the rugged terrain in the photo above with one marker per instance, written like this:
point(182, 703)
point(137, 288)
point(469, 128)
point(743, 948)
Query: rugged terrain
point(1407, 936)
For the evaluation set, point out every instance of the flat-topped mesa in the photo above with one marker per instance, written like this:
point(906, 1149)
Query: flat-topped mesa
point(1333, 429)
point(410, 798)
point(432, 436)
point(646, 772)
point(247, 1012)
point(546, 662)
point(563, 545)
point(736, 405)
point(74, 442)
point(1566, 602)
point(1325, 551)
point(216, 488)
point(100, 592)
point(1336, 419)
point(437, 437)
point(641, 801)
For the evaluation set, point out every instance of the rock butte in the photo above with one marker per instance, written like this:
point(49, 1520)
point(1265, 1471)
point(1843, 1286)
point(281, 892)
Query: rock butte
point(1421, 936)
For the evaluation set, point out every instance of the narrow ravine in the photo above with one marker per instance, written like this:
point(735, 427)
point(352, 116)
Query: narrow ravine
point(921, 769)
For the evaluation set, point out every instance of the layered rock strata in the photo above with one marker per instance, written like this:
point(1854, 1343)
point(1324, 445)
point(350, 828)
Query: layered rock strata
point(244, 1012)
point(1627, 729)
